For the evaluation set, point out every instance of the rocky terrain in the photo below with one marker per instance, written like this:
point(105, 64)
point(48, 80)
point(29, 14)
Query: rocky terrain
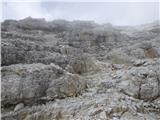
point(79, 70)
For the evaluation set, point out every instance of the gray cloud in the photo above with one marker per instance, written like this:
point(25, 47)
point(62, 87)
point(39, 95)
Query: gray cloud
point(119, 13)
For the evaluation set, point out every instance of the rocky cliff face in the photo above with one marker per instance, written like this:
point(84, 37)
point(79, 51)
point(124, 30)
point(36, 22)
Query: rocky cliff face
point(79, 70)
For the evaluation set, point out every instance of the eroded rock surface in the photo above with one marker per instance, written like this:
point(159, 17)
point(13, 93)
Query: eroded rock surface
point(29, 82)
point(79, 70)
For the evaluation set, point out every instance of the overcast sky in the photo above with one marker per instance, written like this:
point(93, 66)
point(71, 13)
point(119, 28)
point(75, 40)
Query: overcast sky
point(118, 13)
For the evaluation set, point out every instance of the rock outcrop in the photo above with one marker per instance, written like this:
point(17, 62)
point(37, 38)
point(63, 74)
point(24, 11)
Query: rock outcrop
point(66, 86)
point(30, 82)
point(61, 70)
point(142, 82)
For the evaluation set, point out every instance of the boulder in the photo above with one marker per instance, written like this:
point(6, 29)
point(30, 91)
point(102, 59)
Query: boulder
point(29, 83)
point(66, 86)
point(23, 82)
point(141, 82)
point(19, 107)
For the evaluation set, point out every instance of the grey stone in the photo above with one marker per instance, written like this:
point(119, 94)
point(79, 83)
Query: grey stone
point(27, 82)
point(66, 86)
point(19, 107)
point(79, 70)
